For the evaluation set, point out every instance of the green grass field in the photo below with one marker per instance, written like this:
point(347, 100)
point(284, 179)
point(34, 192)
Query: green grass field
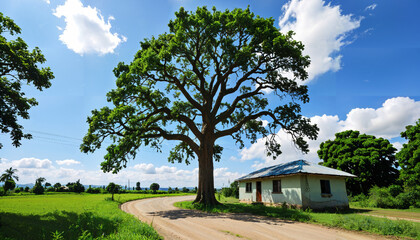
point(352, 219)
point(71, 216)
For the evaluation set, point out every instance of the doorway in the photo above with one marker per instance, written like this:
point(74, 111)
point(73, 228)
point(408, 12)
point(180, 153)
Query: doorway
point(258, 191)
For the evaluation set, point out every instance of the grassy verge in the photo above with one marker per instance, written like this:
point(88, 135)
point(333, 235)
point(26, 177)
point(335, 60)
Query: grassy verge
point(350, 219)
point(72, 216)
point(412, 213)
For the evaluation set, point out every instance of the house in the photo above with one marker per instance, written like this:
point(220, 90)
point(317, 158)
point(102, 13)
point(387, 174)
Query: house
point(299, 183)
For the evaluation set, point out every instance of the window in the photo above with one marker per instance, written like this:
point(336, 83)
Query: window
point(276, 186)
point(248, 187)
point(325, 187)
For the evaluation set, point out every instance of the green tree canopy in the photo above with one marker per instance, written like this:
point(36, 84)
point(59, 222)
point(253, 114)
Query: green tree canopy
point(9, 174)
point(409, 156)
point(204, 80)
point(9, 185)
point(38, 188)
point(154, 187)
point(18, 66)
point(371, 159)
point(113, 188)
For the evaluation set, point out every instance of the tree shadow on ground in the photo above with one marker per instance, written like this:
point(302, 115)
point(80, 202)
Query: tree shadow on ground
point(71, 225)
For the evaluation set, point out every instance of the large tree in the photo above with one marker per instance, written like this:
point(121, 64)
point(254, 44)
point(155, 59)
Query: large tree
point(205, 79)
point(371, 159)
point(409, 156)
point(18, 66)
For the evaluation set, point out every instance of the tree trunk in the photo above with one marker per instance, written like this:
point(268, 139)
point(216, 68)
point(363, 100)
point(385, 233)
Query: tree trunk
point(205, 191)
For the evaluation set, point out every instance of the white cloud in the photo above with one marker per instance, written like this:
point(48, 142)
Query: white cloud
point(67, 162)
point(371, 7)
point(47, 1)
point(32, 163)
point(145, 168)
point(322, 28)
point(387, 121)
point(397, 145)
point(86, 30)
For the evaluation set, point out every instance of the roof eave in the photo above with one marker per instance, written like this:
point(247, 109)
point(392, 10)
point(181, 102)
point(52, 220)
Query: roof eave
point(293, 174)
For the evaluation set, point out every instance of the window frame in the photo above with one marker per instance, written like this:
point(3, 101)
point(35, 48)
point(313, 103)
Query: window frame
point(248, 187)
point(325, 187)
point(277, 183)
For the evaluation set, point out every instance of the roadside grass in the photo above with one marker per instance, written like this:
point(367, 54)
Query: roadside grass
point(72, 216)
point(411, 213)
point(349, 219)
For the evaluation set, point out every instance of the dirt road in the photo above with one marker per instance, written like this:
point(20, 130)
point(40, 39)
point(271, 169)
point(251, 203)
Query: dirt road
point(175, 223)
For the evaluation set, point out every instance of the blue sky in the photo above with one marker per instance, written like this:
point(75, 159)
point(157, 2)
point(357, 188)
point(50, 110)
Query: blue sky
point(364, 76)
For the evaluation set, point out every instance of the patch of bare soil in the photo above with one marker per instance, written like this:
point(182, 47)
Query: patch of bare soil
point(175, 223)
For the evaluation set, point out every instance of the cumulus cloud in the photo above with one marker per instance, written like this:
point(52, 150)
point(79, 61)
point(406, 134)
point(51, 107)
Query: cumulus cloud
point(32, 163)
point(67, 162)
point(145, 168)
point(86, 31)
point(387, 121)
point(322, 28)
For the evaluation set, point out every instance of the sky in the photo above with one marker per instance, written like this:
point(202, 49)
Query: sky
point(364, 75)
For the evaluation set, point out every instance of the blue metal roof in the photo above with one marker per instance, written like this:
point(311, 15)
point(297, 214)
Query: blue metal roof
point(295, 167)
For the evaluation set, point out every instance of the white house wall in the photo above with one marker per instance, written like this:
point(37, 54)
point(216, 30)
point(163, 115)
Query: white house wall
point(290, 191)
point(312, 197)
point(247, 197)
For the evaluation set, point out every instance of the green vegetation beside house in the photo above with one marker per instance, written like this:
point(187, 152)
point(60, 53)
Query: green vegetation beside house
point(72, 216)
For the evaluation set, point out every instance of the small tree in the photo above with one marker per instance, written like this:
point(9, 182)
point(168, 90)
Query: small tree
point(57, 186)
point(154, 187)
point(185, 190)
point(38, 188)
point(47, 184)
point(9, 174)
point(113, 188)
point(138, 188)
point(409, 156)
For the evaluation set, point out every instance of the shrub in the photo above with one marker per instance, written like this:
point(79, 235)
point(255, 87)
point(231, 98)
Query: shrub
point(38, 189)
point(9, 185)
point(93, 190)
point(154, 187)
point(76, 187)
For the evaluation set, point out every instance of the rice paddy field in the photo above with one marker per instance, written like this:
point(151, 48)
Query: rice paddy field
point(72, 216)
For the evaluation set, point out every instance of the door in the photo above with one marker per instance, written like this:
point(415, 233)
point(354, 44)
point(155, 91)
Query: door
point(258, 191)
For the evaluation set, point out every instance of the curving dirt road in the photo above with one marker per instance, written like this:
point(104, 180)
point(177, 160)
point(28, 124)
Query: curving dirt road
point(175, 223)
